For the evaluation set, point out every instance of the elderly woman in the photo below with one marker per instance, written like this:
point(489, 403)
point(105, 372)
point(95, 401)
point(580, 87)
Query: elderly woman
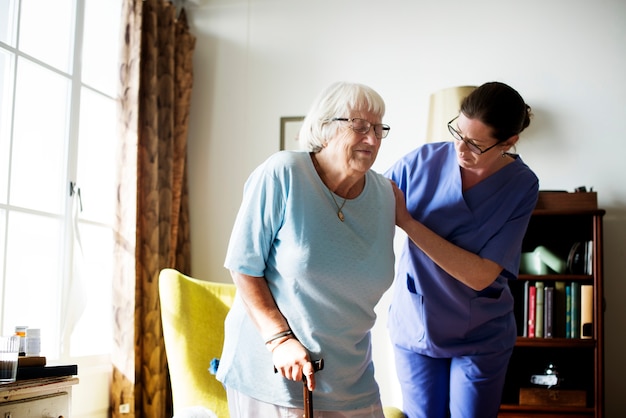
point(311, 254)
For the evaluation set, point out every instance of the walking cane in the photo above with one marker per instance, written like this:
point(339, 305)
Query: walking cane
point(306, 393)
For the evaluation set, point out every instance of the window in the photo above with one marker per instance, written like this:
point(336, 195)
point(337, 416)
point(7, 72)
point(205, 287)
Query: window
point(58, 87)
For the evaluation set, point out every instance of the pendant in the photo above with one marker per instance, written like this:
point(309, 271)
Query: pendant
point(340, 215)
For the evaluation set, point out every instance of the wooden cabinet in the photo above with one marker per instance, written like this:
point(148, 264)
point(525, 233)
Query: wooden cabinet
point(578, 361)
point(46, 397)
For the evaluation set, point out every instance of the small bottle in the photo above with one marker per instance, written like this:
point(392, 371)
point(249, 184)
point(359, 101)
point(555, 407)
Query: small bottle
point(20, 331)
point(33, 341)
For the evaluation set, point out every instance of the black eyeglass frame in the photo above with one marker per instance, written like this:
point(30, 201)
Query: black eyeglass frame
point(384, 129)
point(472, 147)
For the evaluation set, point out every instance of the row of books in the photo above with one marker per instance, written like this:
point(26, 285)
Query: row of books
point(558, 309)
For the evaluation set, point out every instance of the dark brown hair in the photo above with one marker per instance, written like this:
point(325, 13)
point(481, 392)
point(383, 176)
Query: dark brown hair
point(499, 106)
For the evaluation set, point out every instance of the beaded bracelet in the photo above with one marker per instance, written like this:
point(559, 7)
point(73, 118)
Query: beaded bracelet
point(277, 336)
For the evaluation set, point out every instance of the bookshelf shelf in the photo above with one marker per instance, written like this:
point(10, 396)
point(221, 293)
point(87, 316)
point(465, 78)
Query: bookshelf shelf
point(560, 224)
point(555, 277)
point(555, 342)
point(517, 411)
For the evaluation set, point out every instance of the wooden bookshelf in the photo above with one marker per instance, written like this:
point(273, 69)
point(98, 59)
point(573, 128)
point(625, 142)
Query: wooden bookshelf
point(559, 221)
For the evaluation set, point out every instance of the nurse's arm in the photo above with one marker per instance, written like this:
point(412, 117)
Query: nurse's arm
point(465, 266)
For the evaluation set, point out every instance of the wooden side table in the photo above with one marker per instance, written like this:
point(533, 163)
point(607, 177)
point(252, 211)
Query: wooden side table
point(44, 397)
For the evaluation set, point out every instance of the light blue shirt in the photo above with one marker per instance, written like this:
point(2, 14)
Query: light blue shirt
point(431, 312)
point(325, 275)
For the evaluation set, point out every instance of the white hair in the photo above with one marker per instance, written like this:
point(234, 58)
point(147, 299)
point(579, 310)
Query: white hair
point(337, 101)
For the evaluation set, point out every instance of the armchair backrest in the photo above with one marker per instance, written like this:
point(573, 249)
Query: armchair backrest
point(193, 313)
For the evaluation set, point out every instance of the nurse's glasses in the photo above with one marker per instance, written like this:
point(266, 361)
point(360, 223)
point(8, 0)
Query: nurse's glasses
point(470, 145)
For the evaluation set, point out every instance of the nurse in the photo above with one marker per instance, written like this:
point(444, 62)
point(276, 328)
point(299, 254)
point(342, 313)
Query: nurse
point(465, 206)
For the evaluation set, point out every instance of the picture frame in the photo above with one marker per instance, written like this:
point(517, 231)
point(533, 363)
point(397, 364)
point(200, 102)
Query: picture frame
point(289, 130)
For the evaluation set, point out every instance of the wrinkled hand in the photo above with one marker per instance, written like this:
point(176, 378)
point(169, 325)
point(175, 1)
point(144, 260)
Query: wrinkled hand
point(292, 361)
point(402, 214)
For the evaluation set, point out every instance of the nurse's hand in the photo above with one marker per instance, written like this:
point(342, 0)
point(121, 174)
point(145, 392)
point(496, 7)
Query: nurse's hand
point(292, 361)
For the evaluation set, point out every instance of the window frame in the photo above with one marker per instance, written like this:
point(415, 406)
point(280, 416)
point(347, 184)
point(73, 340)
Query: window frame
point(69, 214)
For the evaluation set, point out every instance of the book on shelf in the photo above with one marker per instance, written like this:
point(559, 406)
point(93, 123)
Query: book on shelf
point(554, 309)
point(548, 308)
point(568, 311)
point(525, 320)
point(532, 294)
point(575, 294)
point(539, 300)
point(559, 309)
point(586, 311)
point(589, 258)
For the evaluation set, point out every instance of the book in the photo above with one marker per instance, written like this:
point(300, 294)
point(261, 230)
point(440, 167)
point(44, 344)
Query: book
point(586, 311)
point(559, 309)
point(532, 294)
point(37, 372)
point(29, 361)
point(525, 321)
point(548, 307)
point(568, 311)
point(575, 309)
point(539, 309)
point(589, 258)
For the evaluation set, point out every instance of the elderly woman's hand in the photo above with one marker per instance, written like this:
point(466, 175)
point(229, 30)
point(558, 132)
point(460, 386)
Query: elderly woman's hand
point(292, 361)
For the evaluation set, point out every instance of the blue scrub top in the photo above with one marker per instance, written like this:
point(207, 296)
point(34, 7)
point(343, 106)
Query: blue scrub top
point(431, 312)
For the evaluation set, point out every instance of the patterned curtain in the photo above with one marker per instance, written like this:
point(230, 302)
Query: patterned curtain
point(152, 222)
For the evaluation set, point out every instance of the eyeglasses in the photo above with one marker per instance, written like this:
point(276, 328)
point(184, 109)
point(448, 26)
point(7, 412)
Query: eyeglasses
point(472, 147)
point(361, 126)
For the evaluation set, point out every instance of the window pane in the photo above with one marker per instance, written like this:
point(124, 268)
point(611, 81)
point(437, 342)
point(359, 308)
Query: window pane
point(7, 21)
point(46, 141)
point(93, 333)
point(3, 215)
point(6, 94)
point(39, 139)
point(33, 276)
point(46, 31)
point(101, 46)
point(96, 156)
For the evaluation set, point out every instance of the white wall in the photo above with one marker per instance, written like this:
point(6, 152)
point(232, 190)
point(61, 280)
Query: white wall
point(258, 60)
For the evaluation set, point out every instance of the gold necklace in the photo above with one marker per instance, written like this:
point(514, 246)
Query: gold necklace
point(332, 195)
point(339, 208)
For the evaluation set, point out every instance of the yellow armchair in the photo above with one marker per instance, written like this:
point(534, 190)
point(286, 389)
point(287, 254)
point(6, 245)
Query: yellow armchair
point(193, 313)
point(393, 412)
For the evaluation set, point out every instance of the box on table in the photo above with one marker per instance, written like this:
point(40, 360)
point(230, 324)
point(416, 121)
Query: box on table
point(555, 200)
point(556, 397)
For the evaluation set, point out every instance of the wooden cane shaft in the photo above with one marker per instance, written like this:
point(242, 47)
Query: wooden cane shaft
point(308, 399)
